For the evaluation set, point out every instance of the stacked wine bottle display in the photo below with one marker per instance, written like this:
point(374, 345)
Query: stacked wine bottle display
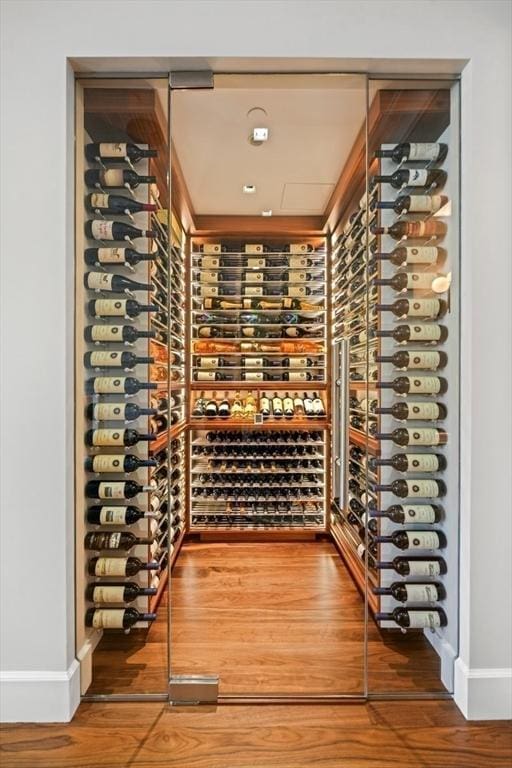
point(125, 370)
point(409, 472)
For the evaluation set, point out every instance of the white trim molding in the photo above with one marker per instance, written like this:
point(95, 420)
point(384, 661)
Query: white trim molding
point(34, 696)
point(483, 694)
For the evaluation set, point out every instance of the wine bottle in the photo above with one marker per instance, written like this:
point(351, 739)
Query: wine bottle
point(277, 406)
point(413, 177)
point(419, 385)
point(106, 281)
point(100, 229)
point(111, 489)
point(429, 152)
point(431, 333)
point(111, 359)
point(115, 152)
point(415, 436)
point(116, 178)
point(411, 513)
point(415, 566)
point(409, 281)
point(414, 539)
point(224, 408)
point(318, 406)
point(411, 462)
point(214, 362)
point(124, 256)
point(208, 375)
point(117, 411)
point(123, 334)
point(298, 405)
point(116, 463)
point(118, 308)
point(415, 359)
point(118, 540)
point(415, 618)
point(414, 204)
point(115, 618)
point(420, 230)
point(413, 488)
point(309, 408)
point(288, 406)
point(403, 256)
point(106, 385)
point(107, 437)
point(413, 592)
point(210, 409)
point(116, 592)
point(415, 307)
point(259, 376)
point(127, 515)
point(106, 204)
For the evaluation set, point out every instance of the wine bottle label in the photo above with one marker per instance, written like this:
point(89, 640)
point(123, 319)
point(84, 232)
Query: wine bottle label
point(297, 376)
point(423, 308)
point(112, 150)
point(206, 375)
point(426, 488)
point(107, 619)
point(99, 359)
point(108, 411)
point(422, 281)
point(113, 515)
point(425, 203)
point(105, 594)
point(298, 362)
point(248, 331)
point(423, 436)
point(296, 290)
point(297, 262)
point(208, 362)
point(361, 550)
point(107, 332)
point(426, 385)
point(424, 151)
point(110, 566)
point(297, 277)
point(99, 281)
point(111, 255)
point(253, 248)
point(209, 290)
point(299, 247)
point(210, 262)
point(113, 463)
point(108, 437)
point(423, 360)
point(422, 462)
point(254, 277)
point(426, 254)
point(111, 490)
point(110, 307)
point(254, 362)
point(102, 230)
point(99, 200)
point(211, 248)
point(113, 541)
point(419, 513)
point(421, 593)
point(265, 404)
point(256, 263)
point(112, 177)
point(417, 177)
point(105, 385)
point(253, 290)
point(424, 332)
point(424, 568)
point(422, 540)
point(208, 277)
point(424, 619)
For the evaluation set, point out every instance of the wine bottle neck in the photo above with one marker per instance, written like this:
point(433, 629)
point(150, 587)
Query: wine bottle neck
point(382, 591)
point(385, 204)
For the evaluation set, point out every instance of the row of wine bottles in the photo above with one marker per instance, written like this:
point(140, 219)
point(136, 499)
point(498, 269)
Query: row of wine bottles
point(249, 405)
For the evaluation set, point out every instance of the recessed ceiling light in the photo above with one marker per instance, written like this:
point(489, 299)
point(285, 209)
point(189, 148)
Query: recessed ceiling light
point(260, 134)
point(266, 213)
point(249, 189)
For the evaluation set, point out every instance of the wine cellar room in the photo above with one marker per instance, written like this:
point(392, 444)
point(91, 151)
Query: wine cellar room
point(267, 387)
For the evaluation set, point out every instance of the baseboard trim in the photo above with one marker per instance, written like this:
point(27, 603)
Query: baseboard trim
point(33, 696)
point(483, 694)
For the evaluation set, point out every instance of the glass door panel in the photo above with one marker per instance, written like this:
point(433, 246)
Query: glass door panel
point(409, 415)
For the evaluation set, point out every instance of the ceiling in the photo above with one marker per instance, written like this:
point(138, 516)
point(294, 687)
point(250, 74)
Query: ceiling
point(312, 125)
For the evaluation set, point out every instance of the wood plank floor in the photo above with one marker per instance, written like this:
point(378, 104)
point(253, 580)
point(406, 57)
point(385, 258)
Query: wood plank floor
point(268, 618)
point(431, 734)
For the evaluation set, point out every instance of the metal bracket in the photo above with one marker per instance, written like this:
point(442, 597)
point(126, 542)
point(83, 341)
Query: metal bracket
point(191, 690)
point(200, 79)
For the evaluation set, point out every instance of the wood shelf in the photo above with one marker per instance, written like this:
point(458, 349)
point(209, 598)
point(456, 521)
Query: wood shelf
point(265, 386)
point(359, 439)
point(238, 533)
point(268, 424)
point(165, 437)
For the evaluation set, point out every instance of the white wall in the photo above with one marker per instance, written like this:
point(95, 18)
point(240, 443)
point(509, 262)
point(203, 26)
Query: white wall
point(39, 673)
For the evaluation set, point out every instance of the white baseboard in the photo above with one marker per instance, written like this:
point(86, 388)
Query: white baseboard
point(447, 655)
point(31, 696)
point(483, 694)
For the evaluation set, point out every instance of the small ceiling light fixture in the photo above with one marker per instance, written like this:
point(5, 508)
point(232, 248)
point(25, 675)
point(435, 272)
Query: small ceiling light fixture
point(267, 213)
point(258, 136)
point(249, 189)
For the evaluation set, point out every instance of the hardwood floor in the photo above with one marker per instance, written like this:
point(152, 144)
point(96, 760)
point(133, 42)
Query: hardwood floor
point(268, 618)
point(431, 734)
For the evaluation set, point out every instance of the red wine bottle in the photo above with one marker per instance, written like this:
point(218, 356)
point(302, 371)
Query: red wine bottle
point(413, 592)
point(100, 229)
point(414, 539)
point(126, 515)
point(413, 177)
point(116, 178)
point(411, 513)
point(111, 359)
point(112, 489)
point(414, 488)
point(415, 618)
point(115, 540)
point(417, 411)
point(403, 256)
point(122, 334)
point(106, 204)
point(415, 566)
point(415, 385)
point(118, 566)
point(429, 152)
point(127, 256)
point(408, 281)
point(430, 333)
point(411, 462)
point(118, 308)
point(113, 385)
point(117, 411)
point(116, 592)
point(113, 462)
point(415, 360)
point(430, 308)
point(416, 230)
point(415, 436)
point(115, 618)
point(111, 437)
point(117, 152)
point(414, 204)
point(106, 281)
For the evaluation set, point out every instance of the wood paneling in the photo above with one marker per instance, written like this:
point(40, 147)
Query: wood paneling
point(430, 734)
point(250, 226)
